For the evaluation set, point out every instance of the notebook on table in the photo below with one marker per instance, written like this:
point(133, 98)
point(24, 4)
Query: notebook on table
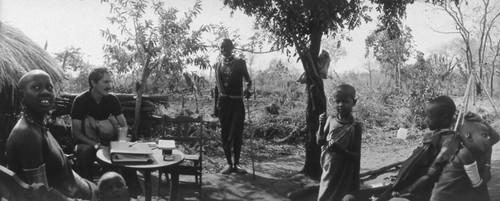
point(130, 152)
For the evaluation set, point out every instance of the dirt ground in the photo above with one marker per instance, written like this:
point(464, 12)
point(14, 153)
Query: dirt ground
point(274, 180)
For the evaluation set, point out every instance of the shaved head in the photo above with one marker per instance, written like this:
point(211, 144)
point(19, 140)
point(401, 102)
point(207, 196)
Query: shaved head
point(29, 76)
point(37, 93)
point(112, 187)
point(345, 90)
point(227, 43)
point(445, 105)
point(475, 136)
point(109, 176)
point(226, 47)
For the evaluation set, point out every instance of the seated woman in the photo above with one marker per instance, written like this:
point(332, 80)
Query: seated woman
point(32, 152)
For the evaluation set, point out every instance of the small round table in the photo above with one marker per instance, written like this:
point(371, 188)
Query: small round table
point(103, 157)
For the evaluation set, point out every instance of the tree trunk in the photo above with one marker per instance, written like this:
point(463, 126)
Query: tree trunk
point(315, 107)
point(481, 72)
point(394, 75)
point(137, 112)
point(371, 82)
point(370, 73)
point(399, 76)
point(492, 76)
point(316, 104)
point(138, 101)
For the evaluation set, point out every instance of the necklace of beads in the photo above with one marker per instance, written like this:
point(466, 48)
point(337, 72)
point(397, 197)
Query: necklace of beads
point(43, 125)
point(229, 60)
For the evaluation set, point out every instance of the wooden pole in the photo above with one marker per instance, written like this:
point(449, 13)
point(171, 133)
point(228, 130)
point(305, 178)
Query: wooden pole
point(489, 97)
point(466, 97)
point(381, 170)
point(471, 87)
point(251, 139)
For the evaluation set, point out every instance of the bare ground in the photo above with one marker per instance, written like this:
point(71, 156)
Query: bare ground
point(275, 178)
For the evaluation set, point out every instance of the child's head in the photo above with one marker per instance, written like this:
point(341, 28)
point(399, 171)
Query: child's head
point(112, 187)
point(37, 92)
point(439, 112)
point(345, 98)
point(475, 136)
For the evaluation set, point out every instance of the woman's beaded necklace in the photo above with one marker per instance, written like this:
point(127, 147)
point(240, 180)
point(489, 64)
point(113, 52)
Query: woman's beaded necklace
point(29, 119)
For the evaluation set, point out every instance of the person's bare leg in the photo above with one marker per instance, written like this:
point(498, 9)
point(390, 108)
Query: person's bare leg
point(228, 167)
point(237, 153)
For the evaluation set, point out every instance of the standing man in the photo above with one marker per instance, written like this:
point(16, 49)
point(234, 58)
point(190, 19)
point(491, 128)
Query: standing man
point(95, 117)
point(229, 93)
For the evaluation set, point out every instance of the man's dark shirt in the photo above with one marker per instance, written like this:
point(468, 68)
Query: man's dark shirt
point(84, 105)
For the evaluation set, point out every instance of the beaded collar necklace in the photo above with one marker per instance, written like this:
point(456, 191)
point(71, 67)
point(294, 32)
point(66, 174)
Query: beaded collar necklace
point(30, 120)
point(228, 60)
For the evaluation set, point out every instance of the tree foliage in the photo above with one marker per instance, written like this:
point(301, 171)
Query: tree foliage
point(152, 42)
point(294, 22)
point(301, 24)
point(421, 81)
point(393, 12)
point(74, 68)
point(477, 24)
point(333, 45)
point(391, 52)
point(169, 41)
point(71, 58)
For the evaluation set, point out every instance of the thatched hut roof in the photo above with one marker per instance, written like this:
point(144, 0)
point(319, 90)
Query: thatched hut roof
point(19, 54)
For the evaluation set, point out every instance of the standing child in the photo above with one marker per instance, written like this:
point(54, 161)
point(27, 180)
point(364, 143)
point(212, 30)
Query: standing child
point(340, 148)
point(465, 176)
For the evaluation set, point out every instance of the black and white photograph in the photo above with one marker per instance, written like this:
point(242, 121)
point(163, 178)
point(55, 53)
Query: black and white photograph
point(251, 100)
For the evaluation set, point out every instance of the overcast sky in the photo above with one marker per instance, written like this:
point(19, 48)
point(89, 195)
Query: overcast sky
point(65, 23)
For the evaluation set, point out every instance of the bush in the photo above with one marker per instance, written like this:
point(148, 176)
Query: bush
point(418, 89)
point(375, 104)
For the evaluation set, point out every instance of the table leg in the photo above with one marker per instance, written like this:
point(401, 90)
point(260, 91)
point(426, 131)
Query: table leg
point(147, 184)
point(174, 186)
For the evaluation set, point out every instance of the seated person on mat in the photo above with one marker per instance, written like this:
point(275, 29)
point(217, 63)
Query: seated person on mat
point(32, 152)
point(112, 187)
point(95, 117)
point(466, 174)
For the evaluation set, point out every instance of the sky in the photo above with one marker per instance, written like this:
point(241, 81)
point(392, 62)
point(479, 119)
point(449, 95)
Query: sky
point(77, 23)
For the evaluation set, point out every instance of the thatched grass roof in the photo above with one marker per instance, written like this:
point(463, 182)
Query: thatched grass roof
point(19, 54)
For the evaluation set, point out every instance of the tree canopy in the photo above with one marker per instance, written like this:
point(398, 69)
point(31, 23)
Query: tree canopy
point(157, 45)
point(302, 24)
point(392, 53)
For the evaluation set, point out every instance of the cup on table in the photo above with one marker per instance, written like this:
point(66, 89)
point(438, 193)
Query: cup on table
point(122, 133)
point(167, 151)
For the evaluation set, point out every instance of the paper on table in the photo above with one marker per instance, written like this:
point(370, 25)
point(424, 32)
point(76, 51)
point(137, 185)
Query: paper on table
point(166, 144)
point(130, 148)
point(127, 152)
